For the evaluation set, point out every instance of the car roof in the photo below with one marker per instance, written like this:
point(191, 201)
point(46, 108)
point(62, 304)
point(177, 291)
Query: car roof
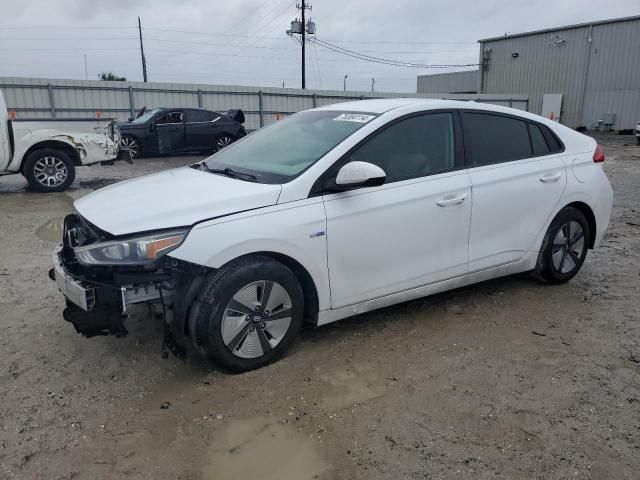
point(383, 105)
point(378, 105)
point(409, 105)
point(184, 108)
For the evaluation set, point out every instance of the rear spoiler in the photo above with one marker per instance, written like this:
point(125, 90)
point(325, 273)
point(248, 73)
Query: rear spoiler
point(237, 115)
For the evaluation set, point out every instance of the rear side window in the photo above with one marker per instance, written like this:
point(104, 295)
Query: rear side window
point(538, 142)
point(200, 116)
point(554, 144)
point(495, 139)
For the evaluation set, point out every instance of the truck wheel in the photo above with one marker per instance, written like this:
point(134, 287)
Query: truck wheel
point(248, 313)
point(49, 170)
point(130, 145)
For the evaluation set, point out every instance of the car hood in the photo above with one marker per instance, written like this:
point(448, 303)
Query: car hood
point(173, 198)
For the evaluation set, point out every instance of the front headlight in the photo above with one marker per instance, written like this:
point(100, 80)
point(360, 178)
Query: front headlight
point(131, 251)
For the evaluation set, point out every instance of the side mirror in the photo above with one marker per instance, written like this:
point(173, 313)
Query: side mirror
point(359, 174)
point(131, 119)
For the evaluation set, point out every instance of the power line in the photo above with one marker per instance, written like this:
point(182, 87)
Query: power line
point(405, 43)
point(266, 25)
point(195, 32)
point(385, 61)
point(47, 27)
point(78, 49)
point(215, 44)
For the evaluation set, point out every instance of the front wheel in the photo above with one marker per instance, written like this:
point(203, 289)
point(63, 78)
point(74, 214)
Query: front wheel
point(49, 170)
point(248, 313)
point(131, 146)
point(564, 247)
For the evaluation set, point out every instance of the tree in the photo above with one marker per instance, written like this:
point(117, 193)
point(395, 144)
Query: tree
point(110, 76)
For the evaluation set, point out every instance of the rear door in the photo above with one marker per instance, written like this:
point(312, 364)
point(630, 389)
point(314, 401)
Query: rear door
point(414, 229)
point(171, 132)
point(517, 177)
point(202, 129)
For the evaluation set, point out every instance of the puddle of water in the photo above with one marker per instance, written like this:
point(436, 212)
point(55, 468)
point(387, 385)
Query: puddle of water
point(51, 231)
point(97, 183)
point(263, 450)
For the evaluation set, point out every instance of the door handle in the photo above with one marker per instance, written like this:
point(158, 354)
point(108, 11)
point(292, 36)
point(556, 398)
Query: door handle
point(445, 202)
point(554, 177)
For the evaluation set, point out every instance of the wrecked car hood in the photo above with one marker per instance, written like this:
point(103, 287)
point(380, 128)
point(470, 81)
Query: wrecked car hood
point(173, 198)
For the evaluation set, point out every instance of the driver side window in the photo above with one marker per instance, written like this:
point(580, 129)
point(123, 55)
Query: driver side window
point(414, 147)
point(170, 117)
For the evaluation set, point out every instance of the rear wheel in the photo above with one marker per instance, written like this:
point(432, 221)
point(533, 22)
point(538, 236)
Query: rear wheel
point(248, 314)
point(564, 247)
point(49, 170)
point(224, 141)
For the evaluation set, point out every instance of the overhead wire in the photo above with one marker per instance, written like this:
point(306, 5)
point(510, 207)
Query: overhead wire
point(385, 61)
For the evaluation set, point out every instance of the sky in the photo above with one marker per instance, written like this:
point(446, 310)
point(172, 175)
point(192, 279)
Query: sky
point(243, 42)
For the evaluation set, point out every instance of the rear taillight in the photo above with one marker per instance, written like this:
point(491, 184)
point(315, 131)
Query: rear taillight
point(598, 155)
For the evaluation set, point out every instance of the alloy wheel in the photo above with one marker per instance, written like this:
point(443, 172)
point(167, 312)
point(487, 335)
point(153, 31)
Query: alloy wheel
point(568, 247)
point(50, 171)
point(256, 319)
point(129, 144)
point(224, 141)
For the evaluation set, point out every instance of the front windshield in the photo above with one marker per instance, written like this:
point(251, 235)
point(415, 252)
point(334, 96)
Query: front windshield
point(145, 116)
point(283, 150)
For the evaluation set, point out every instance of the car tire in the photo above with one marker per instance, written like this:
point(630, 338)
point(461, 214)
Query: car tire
point(223, 140)
point(638, 140)
point(564, 247)
point(49, 170)
point(131, 144)
point(247, 314)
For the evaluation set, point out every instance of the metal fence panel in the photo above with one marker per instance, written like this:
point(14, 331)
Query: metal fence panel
point(46, 98)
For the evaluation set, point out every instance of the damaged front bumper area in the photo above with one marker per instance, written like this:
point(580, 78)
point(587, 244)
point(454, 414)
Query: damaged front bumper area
point(98, 298)
point(99, 306)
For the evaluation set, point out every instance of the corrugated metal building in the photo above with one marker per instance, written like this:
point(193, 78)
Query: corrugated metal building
point(595, 66)
point(453, 82)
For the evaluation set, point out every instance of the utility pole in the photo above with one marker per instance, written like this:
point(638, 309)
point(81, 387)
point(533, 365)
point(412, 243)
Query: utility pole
point(344, 82)
point(86, 74)
point(144, 62)
point(303, 32)
point(373, 82)
point(302, 27)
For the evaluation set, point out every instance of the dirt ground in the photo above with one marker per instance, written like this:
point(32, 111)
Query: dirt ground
point(506, 379)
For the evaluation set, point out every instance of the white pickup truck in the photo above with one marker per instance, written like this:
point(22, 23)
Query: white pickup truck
point(47, 151)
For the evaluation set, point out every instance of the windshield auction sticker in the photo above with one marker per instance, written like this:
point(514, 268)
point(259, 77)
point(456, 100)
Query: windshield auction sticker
point(354, 117)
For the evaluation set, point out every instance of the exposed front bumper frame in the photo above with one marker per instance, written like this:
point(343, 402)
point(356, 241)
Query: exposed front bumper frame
point(96, 308)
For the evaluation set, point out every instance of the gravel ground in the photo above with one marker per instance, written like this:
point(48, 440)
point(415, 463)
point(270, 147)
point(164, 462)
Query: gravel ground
point(506, 379)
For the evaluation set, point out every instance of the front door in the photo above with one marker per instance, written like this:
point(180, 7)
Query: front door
point(171, 135)
point(518, 178)
point(411, 231)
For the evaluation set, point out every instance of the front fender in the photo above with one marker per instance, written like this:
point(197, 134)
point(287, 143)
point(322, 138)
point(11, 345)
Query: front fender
point(296, 230)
